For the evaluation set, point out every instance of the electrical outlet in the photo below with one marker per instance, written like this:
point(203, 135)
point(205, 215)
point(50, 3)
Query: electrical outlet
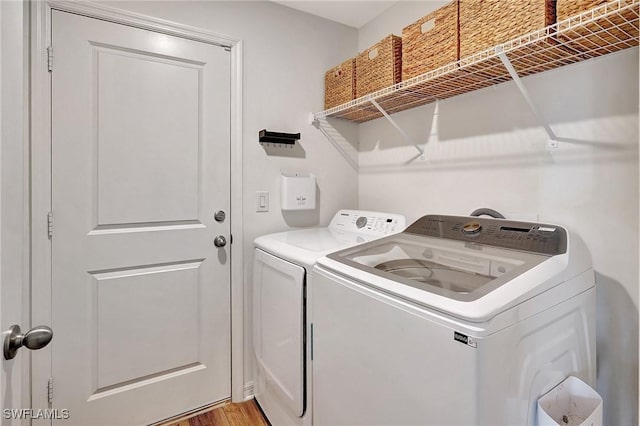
point(262, 201)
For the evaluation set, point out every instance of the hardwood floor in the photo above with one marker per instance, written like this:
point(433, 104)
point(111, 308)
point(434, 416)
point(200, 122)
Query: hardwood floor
point(243, 414)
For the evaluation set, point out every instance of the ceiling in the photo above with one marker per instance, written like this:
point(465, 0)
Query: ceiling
point(354, 13)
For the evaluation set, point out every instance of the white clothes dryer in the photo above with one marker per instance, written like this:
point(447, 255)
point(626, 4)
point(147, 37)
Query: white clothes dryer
point(281, 276)
point(455, 321)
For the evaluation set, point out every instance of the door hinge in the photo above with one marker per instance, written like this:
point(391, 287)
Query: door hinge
point(50, 58)
point(50, 224)
point(50, 390)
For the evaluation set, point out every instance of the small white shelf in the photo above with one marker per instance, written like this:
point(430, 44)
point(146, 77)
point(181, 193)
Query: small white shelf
point(605, 29)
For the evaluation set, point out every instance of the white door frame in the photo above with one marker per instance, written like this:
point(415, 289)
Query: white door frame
point(41, 168)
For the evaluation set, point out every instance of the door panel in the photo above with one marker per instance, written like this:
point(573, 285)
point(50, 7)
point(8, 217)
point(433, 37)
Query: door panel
point(140, 162)
point(169, 293)
point(148, 168)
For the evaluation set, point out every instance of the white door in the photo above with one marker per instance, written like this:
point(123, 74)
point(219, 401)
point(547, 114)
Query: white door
point(140, 163)
point(13, 212)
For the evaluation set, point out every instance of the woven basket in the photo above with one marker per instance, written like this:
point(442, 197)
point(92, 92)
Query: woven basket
point(379, 66)
point(599, 34)
point(339, 84)
point(431, 42)
point(488, 23)
point(568, 8)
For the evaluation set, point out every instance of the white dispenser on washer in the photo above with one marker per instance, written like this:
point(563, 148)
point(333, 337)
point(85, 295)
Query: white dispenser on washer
point(298, 191)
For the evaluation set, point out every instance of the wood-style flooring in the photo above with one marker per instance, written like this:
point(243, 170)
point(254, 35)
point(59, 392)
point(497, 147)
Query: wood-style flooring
point(243, 414)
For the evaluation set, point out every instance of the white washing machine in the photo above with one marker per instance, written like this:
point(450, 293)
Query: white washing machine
point(455, 321)
point(282, 268)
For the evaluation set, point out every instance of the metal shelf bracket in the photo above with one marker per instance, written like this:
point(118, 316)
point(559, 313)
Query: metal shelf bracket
point(553, 140)
point(404, 134)
point(336, 139)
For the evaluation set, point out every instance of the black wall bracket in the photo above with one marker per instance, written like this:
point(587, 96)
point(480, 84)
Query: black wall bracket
point(277, 137)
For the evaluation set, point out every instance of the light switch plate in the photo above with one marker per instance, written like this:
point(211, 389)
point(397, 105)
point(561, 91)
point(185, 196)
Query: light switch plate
point(262, 201)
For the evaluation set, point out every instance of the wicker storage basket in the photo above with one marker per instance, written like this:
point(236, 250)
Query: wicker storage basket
point(601, 33)
point(567, 8)
point(339, 84)
point(487, 23)
point(379, 66)
point(431, 42)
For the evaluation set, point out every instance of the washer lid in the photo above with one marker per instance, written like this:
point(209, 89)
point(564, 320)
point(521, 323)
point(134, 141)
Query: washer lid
point(448, 268)
point(305, 246)
point(347, 228)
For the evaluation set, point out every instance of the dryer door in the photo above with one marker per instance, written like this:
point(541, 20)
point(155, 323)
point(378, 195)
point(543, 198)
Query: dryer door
point(278, 331)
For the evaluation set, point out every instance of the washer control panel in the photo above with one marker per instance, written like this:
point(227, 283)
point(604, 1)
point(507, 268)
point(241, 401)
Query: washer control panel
point(525, 236)
point(366, 222)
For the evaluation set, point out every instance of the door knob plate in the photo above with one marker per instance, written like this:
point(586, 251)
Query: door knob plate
point(12, 342)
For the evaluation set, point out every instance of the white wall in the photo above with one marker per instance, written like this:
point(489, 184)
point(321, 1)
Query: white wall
point(394, 19)
point(286, 53)
point(488, 151)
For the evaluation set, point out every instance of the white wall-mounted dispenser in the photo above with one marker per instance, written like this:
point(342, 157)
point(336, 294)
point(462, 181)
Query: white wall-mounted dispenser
point(297, 191)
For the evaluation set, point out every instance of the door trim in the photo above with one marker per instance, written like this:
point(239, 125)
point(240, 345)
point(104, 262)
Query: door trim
point(40, 110)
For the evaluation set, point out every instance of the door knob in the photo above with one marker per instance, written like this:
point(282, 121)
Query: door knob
point(219, 241)
point(36, 338)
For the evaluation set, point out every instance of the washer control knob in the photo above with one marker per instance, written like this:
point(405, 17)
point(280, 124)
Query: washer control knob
point(361, 222)
point(471, 228)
